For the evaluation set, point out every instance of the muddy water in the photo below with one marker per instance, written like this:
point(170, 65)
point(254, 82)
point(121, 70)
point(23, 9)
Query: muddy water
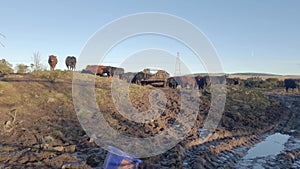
point(273, 145)
point(278, 150)
point(273, 152)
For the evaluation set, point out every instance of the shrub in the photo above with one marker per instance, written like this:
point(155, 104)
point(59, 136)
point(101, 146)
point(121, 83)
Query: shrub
point(253, 82)
point(21, 68)
point(271, 83)
point(5, 67)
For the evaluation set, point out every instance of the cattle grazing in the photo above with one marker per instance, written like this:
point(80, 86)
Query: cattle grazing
point(206, 81)
point(145, 77)
point(140, 76)
point(291, 83)
point(187, 82)
point(202, 82)
point(128, 77)
point(71, 62)
point(52, 61)
point(232, 81)
point(101, 70)
point(115, 71)
point(94, 69)
point(172, 83)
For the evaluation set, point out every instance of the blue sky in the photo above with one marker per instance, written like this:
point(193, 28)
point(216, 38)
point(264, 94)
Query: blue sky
point(249, 35)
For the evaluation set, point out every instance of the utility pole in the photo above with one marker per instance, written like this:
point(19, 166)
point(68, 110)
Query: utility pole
point(177, 65)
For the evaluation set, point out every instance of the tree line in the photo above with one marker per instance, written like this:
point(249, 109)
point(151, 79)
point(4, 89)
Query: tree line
point(7, 68)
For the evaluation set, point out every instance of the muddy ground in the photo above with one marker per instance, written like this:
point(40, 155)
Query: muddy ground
point(40, 129)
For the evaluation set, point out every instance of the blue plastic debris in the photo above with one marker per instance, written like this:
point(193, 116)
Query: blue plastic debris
point(117, 159)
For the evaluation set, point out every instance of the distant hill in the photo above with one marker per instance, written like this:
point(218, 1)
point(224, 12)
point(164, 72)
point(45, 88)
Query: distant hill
point(255, 74)
point(237, 74)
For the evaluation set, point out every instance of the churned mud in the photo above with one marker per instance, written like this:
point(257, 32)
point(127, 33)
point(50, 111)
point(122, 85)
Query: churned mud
point(40, 129)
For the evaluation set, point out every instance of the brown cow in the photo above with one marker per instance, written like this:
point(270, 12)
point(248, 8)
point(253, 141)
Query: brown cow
point(183, 81)
point(52, 61)
point(100, 70)
point(95, 69)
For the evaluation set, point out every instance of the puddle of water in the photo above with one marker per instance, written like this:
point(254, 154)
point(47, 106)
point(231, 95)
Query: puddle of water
point(272, 145)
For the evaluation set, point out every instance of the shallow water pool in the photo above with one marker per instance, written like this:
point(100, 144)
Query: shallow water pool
point(272, 145)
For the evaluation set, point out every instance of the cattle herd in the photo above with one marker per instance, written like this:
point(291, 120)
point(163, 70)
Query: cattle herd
point(70, 62)
point(160, 78)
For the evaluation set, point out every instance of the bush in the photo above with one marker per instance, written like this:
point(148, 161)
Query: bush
point(257, 82)
point(5, 67)
point(253, 82)
point(21, 68)
point(271, 83)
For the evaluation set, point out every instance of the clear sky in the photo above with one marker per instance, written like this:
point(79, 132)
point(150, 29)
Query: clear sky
point(249, 35)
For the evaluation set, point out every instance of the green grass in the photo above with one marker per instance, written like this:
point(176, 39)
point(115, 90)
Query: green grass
point(53, 76)
point(248, 96)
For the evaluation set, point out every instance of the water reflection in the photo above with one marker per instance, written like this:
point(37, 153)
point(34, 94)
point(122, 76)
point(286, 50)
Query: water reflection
point(273, 145)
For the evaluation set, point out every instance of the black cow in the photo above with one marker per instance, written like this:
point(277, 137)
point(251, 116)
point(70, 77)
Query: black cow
point(71, 62)
point(232, 81)
point(111, 71)
point(140, 76)
point(127, 76)
point(291, 83)
point(115, 71)
point(202, 82)
point(172, 83)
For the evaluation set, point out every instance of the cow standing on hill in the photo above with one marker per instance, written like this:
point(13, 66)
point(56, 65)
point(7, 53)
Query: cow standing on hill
point(71, 62)
point(52, 61)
